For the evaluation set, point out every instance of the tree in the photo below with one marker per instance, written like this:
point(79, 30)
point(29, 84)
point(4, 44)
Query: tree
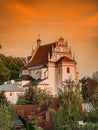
point(5, 119)
point(14, 65)
point(3, 99)
point(95, 76)
point(35, 96)
point(89, 87)
point(90, 95)
point(4, 72)
point(9, 67)
point(21, 100)
point(69, 111)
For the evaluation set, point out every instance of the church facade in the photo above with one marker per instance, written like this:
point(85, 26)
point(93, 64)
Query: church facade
point(50, 65)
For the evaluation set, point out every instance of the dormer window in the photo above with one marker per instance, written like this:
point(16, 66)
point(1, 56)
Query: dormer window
point(68, 70)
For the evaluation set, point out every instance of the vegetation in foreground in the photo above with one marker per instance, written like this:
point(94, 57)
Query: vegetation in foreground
point(70, 111)
point(5, 117)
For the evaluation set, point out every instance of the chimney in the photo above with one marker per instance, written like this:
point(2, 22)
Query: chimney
point(12, 81)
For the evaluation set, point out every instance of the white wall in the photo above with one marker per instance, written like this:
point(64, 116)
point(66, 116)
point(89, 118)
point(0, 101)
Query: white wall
point(52, 77)
point(65, 75)
point(13, 96)
point(58, 77)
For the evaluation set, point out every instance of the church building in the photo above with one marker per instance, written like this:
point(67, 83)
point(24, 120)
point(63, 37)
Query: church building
point(50, 65)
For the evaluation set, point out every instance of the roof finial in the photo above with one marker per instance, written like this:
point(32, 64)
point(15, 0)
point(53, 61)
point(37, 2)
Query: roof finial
point(73, 56)
point(70, 49)
point(38, 41)
point(66, 43)
point(33, 51)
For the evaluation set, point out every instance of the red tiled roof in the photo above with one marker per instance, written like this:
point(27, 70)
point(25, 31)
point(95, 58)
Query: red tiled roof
point(66, 59)
point(54, 104)
point(41, 56)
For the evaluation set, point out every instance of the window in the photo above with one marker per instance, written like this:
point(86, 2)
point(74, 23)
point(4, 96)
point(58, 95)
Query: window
point(10, 94)
point(68, 70)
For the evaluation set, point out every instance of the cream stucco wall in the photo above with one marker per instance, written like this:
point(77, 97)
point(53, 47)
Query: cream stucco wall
point(52, 77)
point(13, 96)
point(71, 74)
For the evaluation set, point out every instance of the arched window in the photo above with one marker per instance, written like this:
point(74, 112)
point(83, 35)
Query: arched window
point(68, 70)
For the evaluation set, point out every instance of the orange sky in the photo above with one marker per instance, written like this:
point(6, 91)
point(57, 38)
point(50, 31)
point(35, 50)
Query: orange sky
point(75, 20)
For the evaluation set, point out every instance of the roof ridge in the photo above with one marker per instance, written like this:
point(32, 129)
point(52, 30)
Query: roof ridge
point(48, 44)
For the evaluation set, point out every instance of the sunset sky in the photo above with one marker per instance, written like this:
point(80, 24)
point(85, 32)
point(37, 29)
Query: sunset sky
point(75, 20)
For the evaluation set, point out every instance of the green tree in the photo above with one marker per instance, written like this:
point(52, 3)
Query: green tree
point(90, 95)
point(14, 65)
point(89, 87)
point(4, 72)
point(95, 76)
point(69, 111)
point(5, 119)
point(3, 99)
point(21, 100)
point(9, 67)
point(35, 96)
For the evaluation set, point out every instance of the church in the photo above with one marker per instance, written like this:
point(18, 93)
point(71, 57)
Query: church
point(49, 65)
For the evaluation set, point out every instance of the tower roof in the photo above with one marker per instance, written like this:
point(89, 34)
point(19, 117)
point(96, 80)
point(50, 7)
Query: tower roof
point(65, 59)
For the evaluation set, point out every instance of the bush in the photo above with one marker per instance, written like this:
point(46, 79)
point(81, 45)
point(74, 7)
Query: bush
point(5, 118)
point(91, 117)
point(89, 126)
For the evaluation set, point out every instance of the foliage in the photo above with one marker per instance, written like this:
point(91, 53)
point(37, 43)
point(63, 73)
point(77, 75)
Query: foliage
point(4, 72)
point(89, 87)
point(21, 100)
point(89, 126)
point(5, 119)
point(34, 125)
point(72, 125)
point(90, 95)
point(95, 76)
point(9, 67)
point(3, 99)
point(35, 96)
point(69, 108)
point(91, 117)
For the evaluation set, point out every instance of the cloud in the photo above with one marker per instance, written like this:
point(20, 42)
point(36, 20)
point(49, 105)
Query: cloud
point(76, 20)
